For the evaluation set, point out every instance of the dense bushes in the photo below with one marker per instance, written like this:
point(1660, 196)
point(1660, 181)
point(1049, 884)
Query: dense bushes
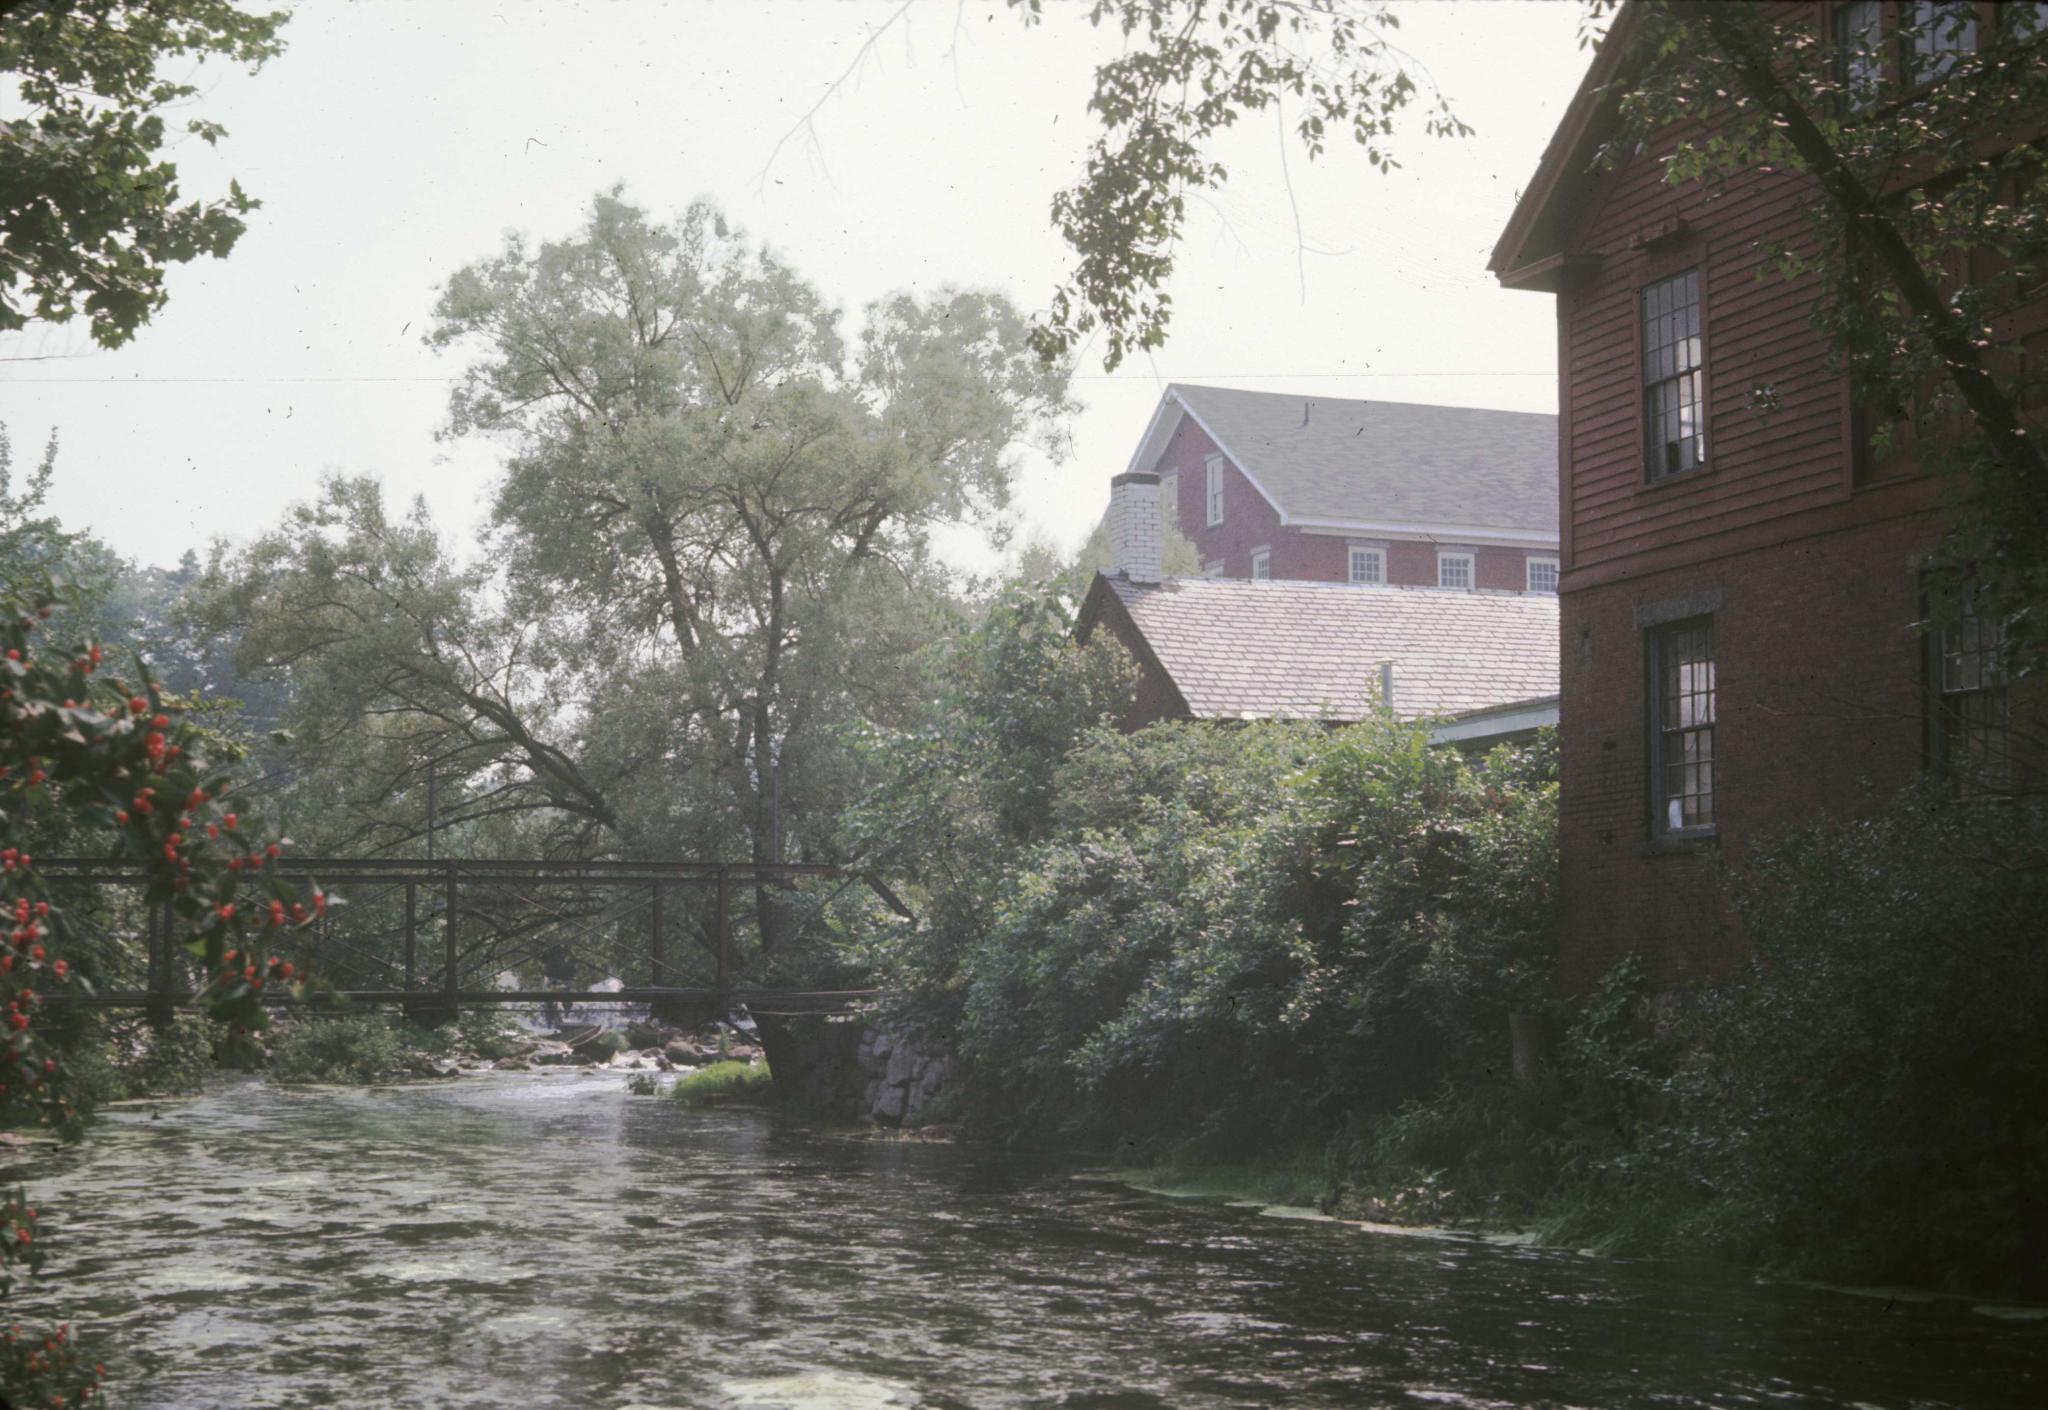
point(359, 1048)
point(1862, 1099)
point(1226, 937)
point(1870, 1092)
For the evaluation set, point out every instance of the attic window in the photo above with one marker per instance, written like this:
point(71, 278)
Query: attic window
point(1368, 565)
point(1454, 570)
point(1214, 468)
point(1543, 576)
point(1262, 564)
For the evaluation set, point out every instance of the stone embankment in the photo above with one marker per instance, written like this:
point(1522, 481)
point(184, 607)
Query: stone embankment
point(846, 1070)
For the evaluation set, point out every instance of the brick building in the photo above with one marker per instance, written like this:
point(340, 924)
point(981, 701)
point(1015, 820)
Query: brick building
point(1332, 489)
point(1483, 666)
point(1739, 592)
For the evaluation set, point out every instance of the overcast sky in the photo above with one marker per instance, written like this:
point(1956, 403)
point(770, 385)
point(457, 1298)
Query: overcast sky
point(397, 140)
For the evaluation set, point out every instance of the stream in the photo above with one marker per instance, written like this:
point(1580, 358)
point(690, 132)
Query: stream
point(543, 1240)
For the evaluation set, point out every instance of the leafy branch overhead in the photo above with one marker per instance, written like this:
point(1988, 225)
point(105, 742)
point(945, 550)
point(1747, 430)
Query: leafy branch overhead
point(90, 213)
point(1193, 69)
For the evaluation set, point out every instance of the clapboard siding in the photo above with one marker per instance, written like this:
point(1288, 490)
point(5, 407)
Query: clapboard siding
point(1757, 332)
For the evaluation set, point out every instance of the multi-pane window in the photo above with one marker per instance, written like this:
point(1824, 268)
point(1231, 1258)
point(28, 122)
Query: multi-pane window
point(1368, 565)
point(1672, 402)
point(1936, 34)
point(1213, 568)
point(1262, 563)
point(1972, 731)
point(1214, 470)
point(1454, 570)
point(1682, 728)
point(1543, 575)
point(1859, 53)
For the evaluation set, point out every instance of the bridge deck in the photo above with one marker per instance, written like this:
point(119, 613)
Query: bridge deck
point(763, 1000)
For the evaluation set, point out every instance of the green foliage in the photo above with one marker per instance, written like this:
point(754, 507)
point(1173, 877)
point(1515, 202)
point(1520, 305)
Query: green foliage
point(1223, 938)
point(1867, 1096)
point(1188, 71)
point(90, 213)
point(483, 1033)
point(723, 1079)
point(361, 1048)
point(642, 1084)
point(111, 767)
point(174, 1062)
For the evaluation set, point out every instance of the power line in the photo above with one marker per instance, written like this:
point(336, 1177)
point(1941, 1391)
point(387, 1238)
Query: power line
point(1078, 377)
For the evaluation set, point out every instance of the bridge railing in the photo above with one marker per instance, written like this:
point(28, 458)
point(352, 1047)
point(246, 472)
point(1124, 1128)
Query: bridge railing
point(456, 896)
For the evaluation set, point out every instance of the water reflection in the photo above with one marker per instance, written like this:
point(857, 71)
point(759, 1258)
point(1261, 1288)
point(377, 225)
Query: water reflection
point(549, 1241)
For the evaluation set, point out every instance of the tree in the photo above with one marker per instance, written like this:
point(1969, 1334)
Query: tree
point(709, 552)
point(90, 213)
point(1191, 69)
point(84, 751)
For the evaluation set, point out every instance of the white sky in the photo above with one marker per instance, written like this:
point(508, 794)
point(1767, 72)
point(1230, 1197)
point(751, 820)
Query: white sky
point(396, 140)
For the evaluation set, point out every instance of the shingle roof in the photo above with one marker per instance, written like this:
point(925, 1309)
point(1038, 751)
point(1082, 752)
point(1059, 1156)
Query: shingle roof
point(1300, 650)
point(1385, 462)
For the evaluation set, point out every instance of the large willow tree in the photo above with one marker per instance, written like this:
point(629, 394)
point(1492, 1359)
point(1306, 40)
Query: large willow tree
point(709, 552)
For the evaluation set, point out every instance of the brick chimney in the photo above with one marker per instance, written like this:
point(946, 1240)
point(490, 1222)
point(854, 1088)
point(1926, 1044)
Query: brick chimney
point(1137, 537)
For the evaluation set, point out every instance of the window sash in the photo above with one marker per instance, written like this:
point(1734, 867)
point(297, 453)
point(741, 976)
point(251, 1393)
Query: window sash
point(1972, 725)
point(1214, 471)
point(1455, 570)
point(1859, 53)
point(1682, 719)
point(1942, 32)
point(1262, 565)
point(1542, 576)
point(1368, 565)
point(1673, 388)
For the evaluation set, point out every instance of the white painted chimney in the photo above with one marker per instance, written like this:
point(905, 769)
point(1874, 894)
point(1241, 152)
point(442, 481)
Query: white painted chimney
point(1137, 536)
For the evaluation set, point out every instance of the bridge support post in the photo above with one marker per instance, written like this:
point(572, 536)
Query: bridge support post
point(723, 930)
point(411, 936)
point(163, 1004)
point(661, 1010)
point(449, 987)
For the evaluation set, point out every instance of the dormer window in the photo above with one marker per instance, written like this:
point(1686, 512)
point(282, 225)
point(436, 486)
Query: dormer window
point(1543, 576)
point(1262, 564)
point(1368, 565)
point(1454, 570)
point(1213, 467)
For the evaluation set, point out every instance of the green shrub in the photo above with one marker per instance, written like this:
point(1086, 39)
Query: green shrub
point(176, 1061)
point(1867, 1094)
point(483, 1033)
point(723, 1079)
point(356, 1048)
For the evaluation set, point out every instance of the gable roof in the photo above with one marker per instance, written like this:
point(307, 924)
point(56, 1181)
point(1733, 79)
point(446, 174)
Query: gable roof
point(1531, 253)
point(1452, 472)
point(1282, 649)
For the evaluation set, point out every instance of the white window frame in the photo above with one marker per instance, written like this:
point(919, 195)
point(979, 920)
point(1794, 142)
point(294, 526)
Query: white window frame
point(1529, 576)
point(1262, 564)
point(1379, 566)
point(1213, 470)
point(1213, 568)
point(1169, 498)
point(1471, 562)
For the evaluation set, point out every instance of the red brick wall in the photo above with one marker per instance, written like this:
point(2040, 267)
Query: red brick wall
point(1250, 521)
point(1820, 707)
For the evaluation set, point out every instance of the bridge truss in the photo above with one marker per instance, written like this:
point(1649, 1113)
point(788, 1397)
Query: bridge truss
point(437, 936)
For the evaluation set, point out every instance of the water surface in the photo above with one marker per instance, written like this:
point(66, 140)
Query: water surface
point(541, 1241)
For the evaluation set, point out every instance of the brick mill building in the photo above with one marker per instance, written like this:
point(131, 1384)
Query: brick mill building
point(1335, 489)
point(1739, 592)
